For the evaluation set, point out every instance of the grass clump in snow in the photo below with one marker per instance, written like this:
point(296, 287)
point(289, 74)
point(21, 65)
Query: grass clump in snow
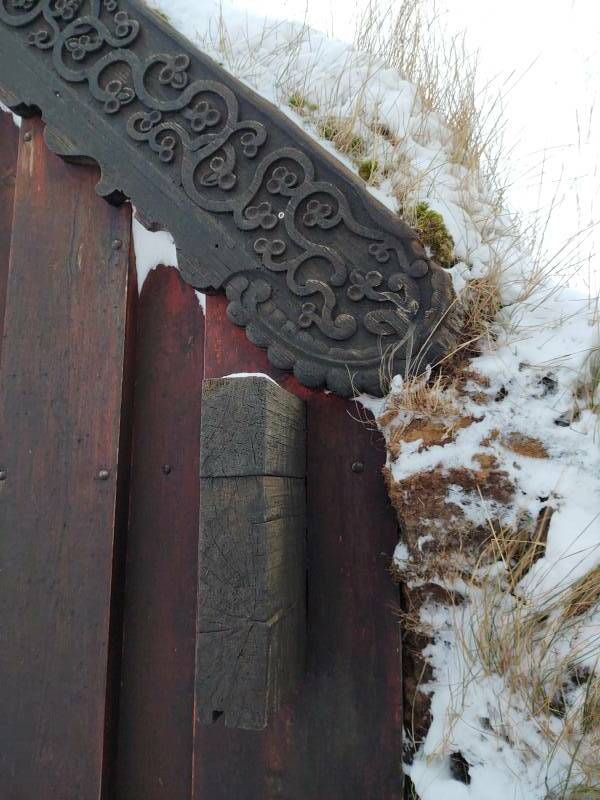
point(341, 134)
point(480, 302)
point(519, 668)
point(368, 169)
point(409, 37)
point(434, 234)
point(545, 647)
point(429, 397)
point(301, 104)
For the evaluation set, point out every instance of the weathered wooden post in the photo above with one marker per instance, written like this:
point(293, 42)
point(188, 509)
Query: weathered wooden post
point(252, 574)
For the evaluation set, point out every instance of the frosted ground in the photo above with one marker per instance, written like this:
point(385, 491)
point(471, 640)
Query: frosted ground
point(541, 358)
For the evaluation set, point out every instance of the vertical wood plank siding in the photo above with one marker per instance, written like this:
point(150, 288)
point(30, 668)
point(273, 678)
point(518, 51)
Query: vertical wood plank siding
point(157, 694)
point(64, 485)
point(61, 396)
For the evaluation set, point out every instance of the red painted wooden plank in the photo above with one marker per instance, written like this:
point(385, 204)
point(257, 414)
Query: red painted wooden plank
point(61, 404)
point(9, 145)
point(341, 736)
point(156, 706)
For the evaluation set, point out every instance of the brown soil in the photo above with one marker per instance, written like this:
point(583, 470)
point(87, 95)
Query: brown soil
point(524, 445)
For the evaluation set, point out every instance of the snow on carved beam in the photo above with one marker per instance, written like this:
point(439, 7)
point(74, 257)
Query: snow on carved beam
point(315, 269)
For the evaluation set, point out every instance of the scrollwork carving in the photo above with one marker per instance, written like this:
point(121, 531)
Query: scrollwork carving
point(314, 269)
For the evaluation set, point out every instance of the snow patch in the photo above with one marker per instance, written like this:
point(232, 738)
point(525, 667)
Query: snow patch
point(251, 375)
point(15, 118)
point(401, 556)
point(152, 248)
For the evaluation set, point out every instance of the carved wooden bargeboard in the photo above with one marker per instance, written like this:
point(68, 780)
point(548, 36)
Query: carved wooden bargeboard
point(317, 271)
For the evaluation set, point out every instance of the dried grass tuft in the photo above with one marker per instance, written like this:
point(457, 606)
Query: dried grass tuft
point(540, 649)
point(340, 132)
point(422, 395)
point(409, 37)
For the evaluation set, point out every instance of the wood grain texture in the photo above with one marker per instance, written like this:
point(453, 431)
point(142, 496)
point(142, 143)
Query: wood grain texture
point(340, 737)
point(251, 426)
point(251, 606)
point(252, 574)
point(61, 442)
point(9, 145)
point(157, 693)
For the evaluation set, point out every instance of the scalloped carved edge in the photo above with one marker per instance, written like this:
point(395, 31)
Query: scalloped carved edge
point(443, 314)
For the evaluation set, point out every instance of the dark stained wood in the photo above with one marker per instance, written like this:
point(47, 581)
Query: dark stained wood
point(9, 145)
point(341, 736)
point(251, 426)
point(382, 294)
point(61, 397)
point(157, 695)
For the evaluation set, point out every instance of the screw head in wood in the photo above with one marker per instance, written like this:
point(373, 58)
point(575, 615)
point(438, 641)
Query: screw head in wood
point(103, 475)
point(3, 475)
point(28, 136)
point(117, 244)
point(166, 469)
point(358, 467)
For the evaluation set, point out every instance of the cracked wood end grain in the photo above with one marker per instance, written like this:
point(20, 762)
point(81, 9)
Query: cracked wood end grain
point(251, 426)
